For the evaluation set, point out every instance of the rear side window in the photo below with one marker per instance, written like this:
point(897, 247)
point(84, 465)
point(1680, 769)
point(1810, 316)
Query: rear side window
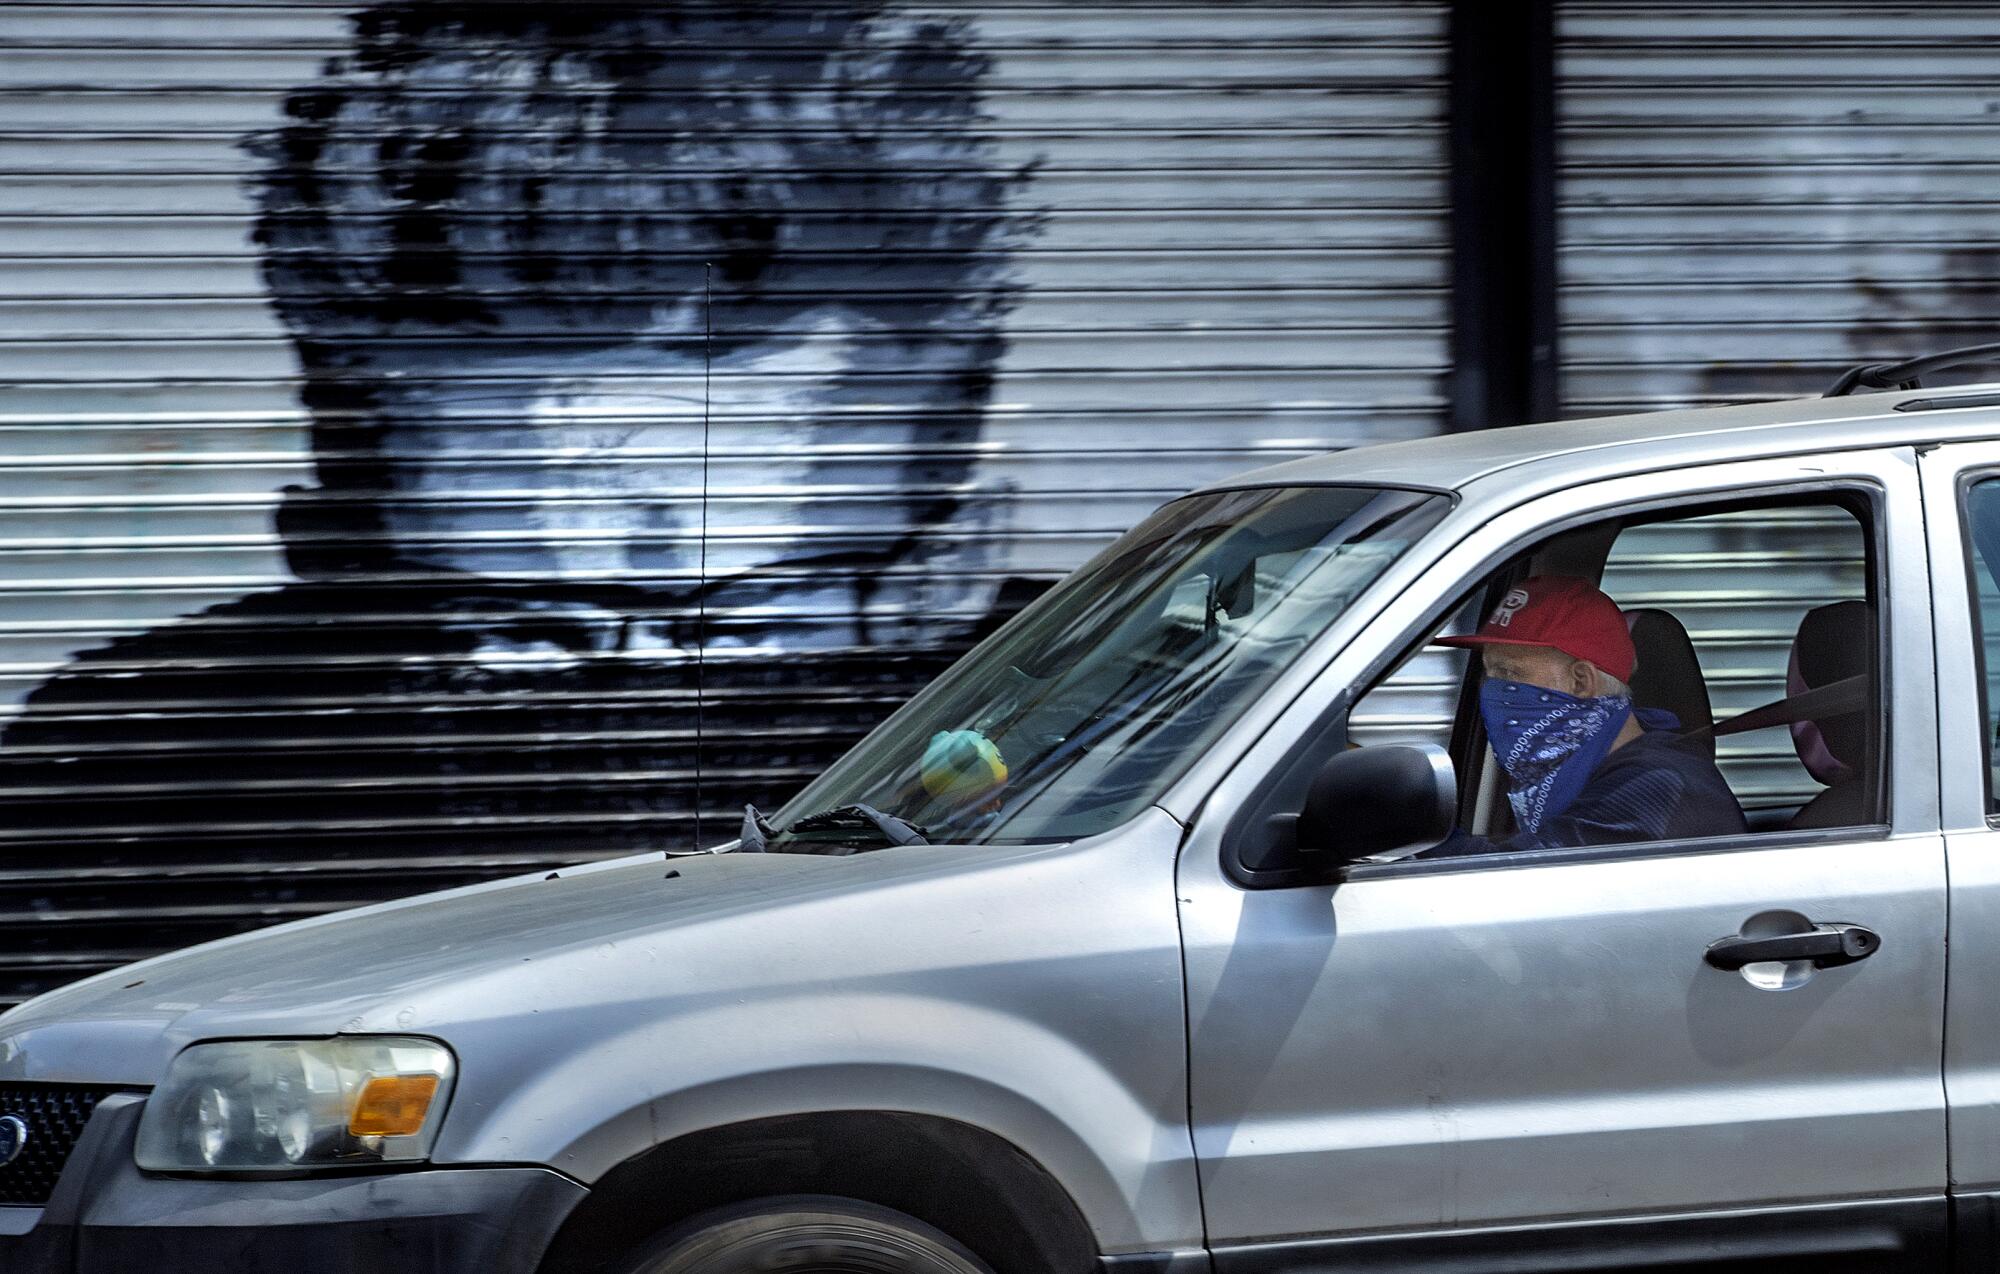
point(1982, 524)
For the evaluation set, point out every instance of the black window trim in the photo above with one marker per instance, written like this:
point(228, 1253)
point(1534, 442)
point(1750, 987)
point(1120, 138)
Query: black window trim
point(1967, 479)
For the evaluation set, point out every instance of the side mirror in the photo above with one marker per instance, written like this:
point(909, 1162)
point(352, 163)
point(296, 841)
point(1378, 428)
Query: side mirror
point(1369, 801)
point(1307, 822)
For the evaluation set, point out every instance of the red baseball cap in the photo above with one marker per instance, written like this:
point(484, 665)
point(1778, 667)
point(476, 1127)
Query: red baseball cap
point(1559, 612)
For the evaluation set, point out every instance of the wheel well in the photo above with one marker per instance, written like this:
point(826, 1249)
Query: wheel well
point(977, 1187)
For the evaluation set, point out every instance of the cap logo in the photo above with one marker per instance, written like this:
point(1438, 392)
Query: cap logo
point(1510, 605)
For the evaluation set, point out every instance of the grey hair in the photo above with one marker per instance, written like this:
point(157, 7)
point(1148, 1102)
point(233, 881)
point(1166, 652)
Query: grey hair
point(1608, 685)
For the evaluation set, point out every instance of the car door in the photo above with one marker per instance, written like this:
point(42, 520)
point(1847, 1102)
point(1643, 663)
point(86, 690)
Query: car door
point(1526, 1063)
point(1962, 512)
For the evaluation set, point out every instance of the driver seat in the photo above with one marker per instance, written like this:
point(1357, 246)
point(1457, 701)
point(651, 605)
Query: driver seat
point(1667, 675)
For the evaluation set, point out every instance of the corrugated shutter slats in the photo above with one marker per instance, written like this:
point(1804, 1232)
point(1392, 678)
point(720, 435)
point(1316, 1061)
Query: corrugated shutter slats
point(351, 429)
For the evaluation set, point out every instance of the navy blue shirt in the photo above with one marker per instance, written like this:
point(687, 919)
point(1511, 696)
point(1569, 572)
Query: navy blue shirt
point(1659, 786)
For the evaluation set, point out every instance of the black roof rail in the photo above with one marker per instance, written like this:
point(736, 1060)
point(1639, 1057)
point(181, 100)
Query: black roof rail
point(1904, 375)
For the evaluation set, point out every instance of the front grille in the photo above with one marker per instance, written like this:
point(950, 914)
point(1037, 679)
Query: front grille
point(55, 1115)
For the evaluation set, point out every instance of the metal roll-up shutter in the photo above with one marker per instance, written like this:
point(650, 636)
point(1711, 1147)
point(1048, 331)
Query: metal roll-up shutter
point(393, 398)
point(1753, 197)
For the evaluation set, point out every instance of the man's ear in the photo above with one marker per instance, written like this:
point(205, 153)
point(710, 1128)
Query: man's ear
point(1583, 679)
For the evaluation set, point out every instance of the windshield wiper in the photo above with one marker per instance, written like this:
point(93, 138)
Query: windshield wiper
point(757, 833)
point(861, 818)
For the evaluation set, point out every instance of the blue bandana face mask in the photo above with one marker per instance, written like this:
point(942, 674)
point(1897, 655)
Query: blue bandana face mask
point(1548, 742)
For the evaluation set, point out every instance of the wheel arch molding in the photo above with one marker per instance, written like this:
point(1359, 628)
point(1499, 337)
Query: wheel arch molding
point(972, 1184)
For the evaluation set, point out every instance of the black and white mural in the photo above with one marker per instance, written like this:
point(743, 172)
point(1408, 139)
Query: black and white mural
point(418, 419)
point(396, 399)
point(419, 422)
point(536, 260)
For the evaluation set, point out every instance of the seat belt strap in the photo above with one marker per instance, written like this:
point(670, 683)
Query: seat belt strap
point(1836, 698)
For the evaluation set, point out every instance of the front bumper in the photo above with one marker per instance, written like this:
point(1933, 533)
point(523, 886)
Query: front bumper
point(106, 1216)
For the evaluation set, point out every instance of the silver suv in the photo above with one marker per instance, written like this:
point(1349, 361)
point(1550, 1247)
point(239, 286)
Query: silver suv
point(1122, 947)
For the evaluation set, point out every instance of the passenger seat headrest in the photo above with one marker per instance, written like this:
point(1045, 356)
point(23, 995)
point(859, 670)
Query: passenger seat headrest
point(1835, 643)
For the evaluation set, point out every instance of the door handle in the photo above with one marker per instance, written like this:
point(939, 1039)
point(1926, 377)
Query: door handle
point(1827, 946)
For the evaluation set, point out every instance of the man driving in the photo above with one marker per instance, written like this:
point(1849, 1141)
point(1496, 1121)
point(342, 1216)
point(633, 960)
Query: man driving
point(1583, 766)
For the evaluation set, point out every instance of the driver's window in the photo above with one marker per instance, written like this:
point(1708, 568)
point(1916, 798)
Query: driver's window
point(1739, 690)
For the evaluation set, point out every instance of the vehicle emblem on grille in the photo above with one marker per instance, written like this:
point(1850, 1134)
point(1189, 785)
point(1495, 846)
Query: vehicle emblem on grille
point(13, 1138)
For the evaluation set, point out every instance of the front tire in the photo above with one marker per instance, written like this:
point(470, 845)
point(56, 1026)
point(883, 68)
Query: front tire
point(805, 1234)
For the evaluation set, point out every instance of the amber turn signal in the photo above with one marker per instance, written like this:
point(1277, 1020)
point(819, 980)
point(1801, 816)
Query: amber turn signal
point(392, 1106)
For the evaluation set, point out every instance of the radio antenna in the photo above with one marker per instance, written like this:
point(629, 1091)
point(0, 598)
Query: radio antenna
point(701, 583)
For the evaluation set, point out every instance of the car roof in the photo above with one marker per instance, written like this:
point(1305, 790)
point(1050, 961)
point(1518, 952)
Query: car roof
point(1649, 440)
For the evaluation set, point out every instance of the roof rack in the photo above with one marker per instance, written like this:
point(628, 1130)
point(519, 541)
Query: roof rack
point(1904, 375)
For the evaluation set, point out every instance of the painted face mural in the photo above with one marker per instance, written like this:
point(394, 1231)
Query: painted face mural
point(569, 284)
point(538, 260)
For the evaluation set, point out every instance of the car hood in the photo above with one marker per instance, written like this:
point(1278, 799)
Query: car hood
point(433, 964)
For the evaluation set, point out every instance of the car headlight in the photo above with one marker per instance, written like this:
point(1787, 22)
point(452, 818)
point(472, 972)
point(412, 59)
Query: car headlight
point(274, 1105)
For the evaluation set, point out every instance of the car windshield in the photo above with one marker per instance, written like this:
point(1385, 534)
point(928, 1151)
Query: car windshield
point(1078, 713)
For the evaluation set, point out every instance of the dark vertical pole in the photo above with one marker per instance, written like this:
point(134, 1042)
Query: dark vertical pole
point(1503, 212)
